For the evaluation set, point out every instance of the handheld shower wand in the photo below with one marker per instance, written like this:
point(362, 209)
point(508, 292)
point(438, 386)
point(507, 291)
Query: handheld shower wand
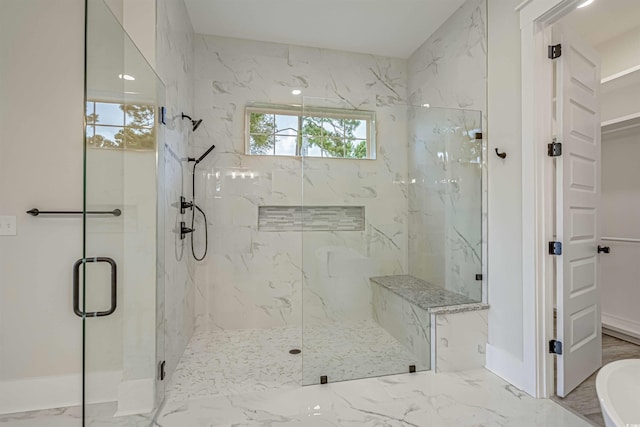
point(193, 206)
point(199, 159)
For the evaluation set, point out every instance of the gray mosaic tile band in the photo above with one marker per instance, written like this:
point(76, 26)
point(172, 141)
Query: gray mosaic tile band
point(311, 218)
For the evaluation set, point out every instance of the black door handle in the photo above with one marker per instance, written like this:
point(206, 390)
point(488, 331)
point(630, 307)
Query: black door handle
point(605, 249)
point(76, 287)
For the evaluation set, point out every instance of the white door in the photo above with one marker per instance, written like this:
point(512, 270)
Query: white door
point(578, 210)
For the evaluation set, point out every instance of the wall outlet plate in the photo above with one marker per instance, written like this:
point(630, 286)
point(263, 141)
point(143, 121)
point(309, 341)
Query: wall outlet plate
point(7, 225)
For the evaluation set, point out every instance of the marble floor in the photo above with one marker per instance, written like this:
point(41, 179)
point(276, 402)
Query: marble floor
point(472, 398)
point(98, 415)
point(584, 399)
point(248, 378)
point(221, 363)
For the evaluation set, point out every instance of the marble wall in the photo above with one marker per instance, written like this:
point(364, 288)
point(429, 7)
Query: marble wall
point(406, 322)
point(255, 279)
point(175, 68)
point(459, 340)
point(447, 181)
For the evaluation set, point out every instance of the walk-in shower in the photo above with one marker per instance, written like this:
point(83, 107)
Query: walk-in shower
point(301, 267)
point(343, 235)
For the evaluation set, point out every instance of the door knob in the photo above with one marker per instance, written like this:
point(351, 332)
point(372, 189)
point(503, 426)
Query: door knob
point(605, 249)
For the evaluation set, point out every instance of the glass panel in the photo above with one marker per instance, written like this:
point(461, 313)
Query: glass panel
point(286, 145)
point(359, 129)
point(326, 132)
point(286, 125)
point(105, 136)
point(384, 241)
point(445, 199)
point(109, 113)
point(262, 144)
point(121, 172)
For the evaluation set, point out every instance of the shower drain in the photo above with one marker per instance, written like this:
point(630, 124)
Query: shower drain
point(295, 351)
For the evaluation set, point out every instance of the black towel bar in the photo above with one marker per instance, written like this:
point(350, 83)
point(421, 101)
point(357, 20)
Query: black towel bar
point(36, 212)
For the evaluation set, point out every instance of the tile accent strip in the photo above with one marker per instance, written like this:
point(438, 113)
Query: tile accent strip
point(311, 218)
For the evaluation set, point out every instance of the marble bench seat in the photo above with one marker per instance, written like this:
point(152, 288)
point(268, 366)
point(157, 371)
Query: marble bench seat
point(444, 330)
point(420, 292)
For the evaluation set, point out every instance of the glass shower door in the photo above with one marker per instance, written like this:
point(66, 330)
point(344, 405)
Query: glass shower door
point(117, 292)
point(392, 227)
point(354, 205)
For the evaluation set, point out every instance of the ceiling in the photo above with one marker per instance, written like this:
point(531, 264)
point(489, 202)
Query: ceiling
point(604, 20)
point(394, 28)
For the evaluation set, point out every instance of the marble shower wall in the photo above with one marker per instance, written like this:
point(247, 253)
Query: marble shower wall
point(175, 67)
point(251, 278)
point(449, 70)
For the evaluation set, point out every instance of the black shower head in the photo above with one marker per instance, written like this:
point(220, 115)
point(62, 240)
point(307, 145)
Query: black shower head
point(194, 123)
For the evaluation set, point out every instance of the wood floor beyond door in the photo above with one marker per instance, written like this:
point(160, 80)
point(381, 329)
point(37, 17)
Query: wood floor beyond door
point(584, 399)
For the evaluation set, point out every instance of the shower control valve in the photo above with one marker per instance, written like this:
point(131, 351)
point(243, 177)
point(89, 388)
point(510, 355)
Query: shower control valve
point(184, 205)
point(184, 230)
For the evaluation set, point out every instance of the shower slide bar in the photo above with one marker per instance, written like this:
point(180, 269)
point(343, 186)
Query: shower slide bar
point(621, 239)
point(36, 212)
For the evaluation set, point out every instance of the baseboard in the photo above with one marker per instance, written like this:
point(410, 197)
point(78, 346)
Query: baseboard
point(33, 394)
point(628, 330)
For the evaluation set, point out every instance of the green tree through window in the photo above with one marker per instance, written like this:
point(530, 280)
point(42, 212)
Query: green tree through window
point(121, 126)
point(334, 134)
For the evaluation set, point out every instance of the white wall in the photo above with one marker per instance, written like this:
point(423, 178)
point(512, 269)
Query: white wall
point(42, 166)
point(41, 80)
point(620, 213)
point(506, 340)
point(620, 53)
point(138, 18)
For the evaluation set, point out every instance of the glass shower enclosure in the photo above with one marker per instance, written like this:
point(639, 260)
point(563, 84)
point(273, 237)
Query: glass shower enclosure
point(391, 213)
point(81, 286)
point(119, 288)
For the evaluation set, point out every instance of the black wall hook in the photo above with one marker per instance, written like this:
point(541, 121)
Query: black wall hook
point(501, 155)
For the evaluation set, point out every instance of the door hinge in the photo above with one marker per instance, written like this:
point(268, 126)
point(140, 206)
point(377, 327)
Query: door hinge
point(555, 51)
point(555, 148)
point(555, 347)
point(161, 370)
point(555, 248)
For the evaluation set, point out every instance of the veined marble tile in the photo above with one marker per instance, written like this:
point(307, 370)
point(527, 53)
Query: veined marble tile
point(96, 415)
point(406, 322)
point(351, 350)
point(460, 340)
point(221, 363)
point(229, 75)
point(473, 398)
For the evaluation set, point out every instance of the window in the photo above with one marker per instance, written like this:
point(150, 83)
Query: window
point(121, 126)
point(318, 132)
